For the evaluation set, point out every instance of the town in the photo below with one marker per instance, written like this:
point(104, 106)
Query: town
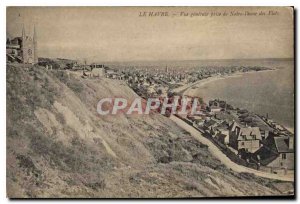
point(249, 139)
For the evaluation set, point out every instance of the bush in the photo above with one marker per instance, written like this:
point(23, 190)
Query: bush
point(96, 185)
point(45, 61)
point(26, 162)
point(60, 118)
point(63, 157)
point(77, 87)
point(73, 83)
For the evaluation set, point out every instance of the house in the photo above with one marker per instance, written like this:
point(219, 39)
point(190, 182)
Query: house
point(222, 137)
point(197, 120)
point(209, 126)
point(151, 90)
point(277, 152)
point(161, 90)
point(94, 65)
point(244, 138)
point(13, 50)
point(233, 126)
point(216, 106)
point(111, 74)
point(217, 103)
point(222, 133)
point(264, 134)
point(22, 49)
point(98, 72)
point(76, 66)
point(225, 116)
point(215, 109)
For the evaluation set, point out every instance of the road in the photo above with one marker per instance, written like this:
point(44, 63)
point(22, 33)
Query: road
point(215, 151)
point(182, 89)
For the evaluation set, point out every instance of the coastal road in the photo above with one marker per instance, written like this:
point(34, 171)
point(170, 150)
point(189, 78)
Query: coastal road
point(182, 89)
point(223, 158)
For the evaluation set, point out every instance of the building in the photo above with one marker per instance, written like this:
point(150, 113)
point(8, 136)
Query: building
point(264, 134)
point(209, 126)
point(94, 65)
point(111, 74)
point(22, 49)
point(216, 106)
point(277, 152)
point(98, 72)
point(223, 137)
point(222, 133)
point(215, 109)
point(244, 138)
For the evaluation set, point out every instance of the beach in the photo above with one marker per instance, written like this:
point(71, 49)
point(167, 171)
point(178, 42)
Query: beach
point(189, 90)
point(243, 90)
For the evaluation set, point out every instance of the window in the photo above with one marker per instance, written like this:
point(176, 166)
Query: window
point(283, 156)
point(29, 52)
point(242, 143)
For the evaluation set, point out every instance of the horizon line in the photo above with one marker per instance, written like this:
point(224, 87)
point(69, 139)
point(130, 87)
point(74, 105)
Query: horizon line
point(166, 60)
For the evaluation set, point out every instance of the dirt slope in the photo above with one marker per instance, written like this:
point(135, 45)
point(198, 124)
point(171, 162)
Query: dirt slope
point(58, 146)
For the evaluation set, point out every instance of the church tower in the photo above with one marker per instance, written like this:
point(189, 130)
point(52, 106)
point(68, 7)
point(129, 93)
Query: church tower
point(35, 46)
point(29, 45)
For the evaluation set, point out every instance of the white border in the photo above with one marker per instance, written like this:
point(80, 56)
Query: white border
point(5, 3)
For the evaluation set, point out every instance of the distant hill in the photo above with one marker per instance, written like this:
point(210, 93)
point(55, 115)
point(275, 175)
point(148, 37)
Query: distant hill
point(57, 63)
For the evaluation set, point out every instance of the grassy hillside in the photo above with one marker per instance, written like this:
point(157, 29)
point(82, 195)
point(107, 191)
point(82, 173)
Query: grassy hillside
point(58, 146)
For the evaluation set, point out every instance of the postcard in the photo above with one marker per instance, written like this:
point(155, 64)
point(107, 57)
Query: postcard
point(150, 102)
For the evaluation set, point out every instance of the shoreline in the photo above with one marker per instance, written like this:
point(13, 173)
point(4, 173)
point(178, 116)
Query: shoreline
point(202, 82)
point(189, 91)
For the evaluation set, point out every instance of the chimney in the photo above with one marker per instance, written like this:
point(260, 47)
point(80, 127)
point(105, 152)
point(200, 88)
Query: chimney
point(291, 142)
point(237, 130)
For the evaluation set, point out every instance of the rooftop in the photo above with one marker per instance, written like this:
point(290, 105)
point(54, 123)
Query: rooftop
point(282, 144)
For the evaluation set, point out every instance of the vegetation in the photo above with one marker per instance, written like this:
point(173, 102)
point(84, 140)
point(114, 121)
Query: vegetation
point(55, 154)
point(69, 80)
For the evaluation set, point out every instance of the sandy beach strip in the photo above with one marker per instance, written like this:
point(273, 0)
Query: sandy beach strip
point(188, 91)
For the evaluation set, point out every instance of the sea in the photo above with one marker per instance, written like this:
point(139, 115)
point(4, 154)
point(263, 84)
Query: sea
point(270, 92)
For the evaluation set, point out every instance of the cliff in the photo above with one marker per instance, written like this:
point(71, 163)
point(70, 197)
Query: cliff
point(59, 146)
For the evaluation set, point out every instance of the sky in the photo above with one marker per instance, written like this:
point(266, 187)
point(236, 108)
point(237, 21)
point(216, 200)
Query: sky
point(120, 34)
